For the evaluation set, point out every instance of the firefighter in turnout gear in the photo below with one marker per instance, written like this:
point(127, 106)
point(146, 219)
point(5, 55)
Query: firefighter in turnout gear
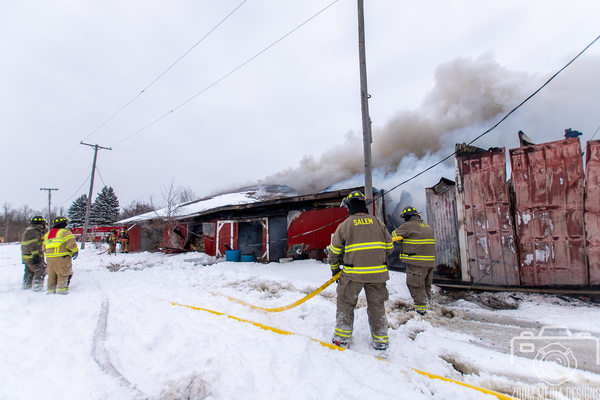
point(418, 252)
point(112, 242)
point(32, 254)
point(60, 248)
point(360, 247)
point(124, 238)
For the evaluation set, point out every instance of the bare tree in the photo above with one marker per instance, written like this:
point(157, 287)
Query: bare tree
point(136, 207)
point(185, 194)
point(173, 198)
point(8, 212)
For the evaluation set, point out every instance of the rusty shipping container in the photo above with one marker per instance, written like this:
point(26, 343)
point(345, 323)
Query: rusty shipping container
point(592, 209)
point(549, 213)
point(441, 216)
point(485, 225)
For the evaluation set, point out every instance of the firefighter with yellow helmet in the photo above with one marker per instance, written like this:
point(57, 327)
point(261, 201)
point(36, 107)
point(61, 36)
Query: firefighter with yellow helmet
point(111, 239)
point(32, 254)
point(124, 238)
point(418, 252)
point(360, 245)
point(60, 248)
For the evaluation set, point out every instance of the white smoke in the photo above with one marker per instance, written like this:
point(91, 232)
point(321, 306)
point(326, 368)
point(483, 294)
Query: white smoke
point(469, 96)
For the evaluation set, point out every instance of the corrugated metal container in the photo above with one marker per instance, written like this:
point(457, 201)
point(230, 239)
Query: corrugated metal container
point(548, 185)
point(486, 225)
point(592, 209)
point(441, 216)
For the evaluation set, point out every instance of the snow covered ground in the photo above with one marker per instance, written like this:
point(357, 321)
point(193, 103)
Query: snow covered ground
point(117, 335)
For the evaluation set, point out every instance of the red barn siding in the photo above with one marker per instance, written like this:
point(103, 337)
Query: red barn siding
point(170, 239)
point(226, 235)
point(135, 233)
point(304, 225)
point(209, 230)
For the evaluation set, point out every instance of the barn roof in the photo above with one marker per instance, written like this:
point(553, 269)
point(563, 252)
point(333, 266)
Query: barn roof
point(259, 196)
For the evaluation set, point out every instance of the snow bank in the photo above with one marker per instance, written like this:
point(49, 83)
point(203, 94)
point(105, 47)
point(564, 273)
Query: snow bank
point(57, 347)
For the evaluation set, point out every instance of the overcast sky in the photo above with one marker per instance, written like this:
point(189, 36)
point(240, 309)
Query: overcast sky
point(438, 72)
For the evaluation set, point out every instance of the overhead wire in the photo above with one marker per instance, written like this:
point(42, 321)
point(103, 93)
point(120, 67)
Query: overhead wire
point(147, 87)
point(497, 261)
point(77, 191)
point(496, 124)
point(224, 76)
point(98, 170)
point(206, 88)
point(594, 135)
point(383, 192)
point(167, 70)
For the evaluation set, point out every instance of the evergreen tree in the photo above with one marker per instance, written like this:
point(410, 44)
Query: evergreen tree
point(105, 211)
point(77, 211)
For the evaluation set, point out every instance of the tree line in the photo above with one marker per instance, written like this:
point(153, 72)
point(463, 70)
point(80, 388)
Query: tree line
point(104, 211)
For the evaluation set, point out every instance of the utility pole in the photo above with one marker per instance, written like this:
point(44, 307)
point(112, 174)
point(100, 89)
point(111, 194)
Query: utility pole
point(49, 204)
point(89, 200)
point(364, 97)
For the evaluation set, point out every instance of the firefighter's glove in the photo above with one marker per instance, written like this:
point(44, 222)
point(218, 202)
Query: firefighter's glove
point(334, 272)
point(35, 259)
point(74, 255)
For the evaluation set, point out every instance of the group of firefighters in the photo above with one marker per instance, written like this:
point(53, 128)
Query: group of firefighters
point(123, 238)
point(359, 250)
point(51, 252)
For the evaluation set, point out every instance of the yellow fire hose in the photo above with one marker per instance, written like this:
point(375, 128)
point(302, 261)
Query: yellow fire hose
point(500, 396)
point(297, 303)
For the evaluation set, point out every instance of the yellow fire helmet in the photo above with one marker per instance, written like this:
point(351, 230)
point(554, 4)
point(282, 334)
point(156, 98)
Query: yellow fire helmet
point(354, 195)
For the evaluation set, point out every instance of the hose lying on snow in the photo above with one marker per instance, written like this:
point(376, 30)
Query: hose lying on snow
point(500, 396)
point(296, 303)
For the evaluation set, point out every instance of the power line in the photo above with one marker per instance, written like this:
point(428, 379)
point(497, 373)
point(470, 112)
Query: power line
point(146, 88)
point(225, 76)
point(165, 71)
point(77, 191)
point(497, 123)
point(98, 170)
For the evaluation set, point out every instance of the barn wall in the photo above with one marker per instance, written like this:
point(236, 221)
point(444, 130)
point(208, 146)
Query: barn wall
point(209, 230)
point(170, 239)
point(134, 238)
point(314, 227)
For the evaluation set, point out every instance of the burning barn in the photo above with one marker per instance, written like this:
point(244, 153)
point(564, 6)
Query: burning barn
point(261, 223)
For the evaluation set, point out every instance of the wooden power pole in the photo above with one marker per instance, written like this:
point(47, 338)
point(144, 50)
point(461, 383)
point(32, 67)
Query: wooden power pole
point(89, 200)
point(49, 204)
point(364, 97)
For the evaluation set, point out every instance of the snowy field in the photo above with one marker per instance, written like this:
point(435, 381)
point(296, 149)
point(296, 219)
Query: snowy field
point(117, 335)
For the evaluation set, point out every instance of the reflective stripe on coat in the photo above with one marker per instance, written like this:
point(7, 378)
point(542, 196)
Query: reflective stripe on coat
point(59, 243)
